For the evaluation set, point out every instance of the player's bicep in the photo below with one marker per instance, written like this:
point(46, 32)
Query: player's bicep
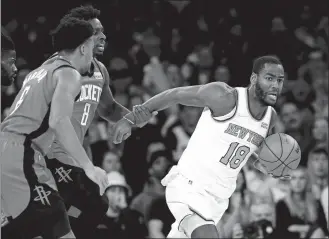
point(67, 88)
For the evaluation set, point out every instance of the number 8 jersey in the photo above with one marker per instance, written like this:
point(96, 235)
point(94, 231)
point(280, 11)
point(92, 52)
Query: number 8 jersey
point(84, 108)
point(221, 146)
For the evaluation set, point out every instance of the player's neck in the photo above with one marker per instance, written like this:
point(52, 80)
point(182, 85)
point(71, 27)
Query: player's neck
point(72, 59)
point(256, 107)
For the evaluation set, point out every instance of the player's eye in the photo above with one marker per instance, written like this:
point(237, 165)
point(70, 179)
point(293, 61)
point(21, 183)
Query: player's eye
point(269, 78)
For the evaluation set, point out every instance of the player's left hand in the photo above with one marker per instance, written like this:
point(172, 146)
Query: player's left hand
point(142, 115)
point(120, 131)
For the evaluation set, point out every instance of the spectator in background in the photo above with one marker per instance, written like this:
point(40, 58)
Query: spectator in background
point(160, 163)
point(238, 209)
point(261, 220)
point(320, 132)
point(318, 169)
point(222, 74)
point(120, 221)
point(160, 219)
point(295, 126)
point(299, 213)
point(111, 162)
point(178, 132)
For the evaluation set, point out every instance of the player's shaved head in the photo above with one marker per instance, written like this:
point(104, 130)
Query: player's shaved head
point(71, 33)
point(6, 42)
point(259, 63)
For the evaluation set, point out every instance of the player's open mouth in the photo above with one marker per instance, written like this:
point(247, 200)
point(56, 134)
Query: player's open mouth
point(273, 96)
point(100, 47)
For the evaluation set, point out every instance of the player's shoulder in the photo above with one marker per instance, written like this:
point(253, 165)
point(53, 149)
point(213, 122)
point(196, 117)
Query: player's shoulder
point(219, 88)
point(67, 74)
point(219, 91)
point(99, 64)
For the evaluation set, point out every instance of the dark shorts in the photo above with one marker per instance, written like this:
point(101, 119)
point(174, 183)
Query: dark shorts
point(29, 198)
point(76, 188)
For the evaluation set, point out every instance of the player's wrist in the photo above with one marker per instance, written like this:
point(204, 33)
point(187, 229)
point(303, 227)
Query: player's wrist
point(130, 118)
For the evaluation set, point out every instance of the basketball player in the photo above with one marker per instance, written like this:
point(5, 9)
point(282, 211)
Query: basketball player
point(41, 111)
point(231, 128)
point(95, 95)
point(8, 59)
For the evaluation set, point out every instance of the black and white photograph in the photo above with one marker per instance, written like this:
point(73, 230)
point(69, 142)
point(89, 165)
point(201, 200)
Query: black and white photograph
point(125, 119)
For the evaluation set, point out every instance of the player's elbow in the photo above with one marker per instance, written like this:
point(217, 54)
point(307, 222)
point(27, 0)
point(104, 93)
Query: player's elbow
point(56, 122)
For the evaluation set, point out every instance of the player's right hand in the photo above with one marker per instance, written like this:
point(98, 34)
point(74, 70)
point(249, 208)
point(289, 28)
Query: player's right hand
point(98, 176)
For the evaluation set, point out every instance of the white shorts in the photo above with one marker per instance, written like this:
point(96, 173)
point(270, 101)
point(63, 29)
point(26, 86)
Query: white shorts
point(185, 197)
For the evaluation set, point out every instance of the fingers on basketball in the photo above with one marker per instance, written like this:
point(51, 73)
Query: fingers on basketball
point(280, 153)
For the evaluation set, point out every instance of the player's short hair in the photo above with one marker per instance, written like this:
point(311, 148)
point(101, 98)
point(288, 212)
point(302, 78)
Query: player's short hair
point(71, 33)
point(6, 42)
point(86, 13)
point(259, 63)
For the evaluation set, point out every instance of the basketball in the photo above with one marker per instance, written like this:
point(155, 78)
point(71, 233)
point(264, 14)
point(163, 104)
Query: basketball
point(279, 154)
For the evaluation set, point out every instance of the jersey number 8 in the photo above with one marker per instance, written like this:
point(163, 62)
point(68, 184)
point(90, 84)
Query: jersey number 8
point(235, 156)
point(85, 114)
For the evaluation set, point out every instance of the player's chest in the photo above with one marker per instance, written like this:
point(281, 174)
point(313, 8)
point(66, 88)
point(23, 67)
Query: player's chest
point(91, 89)
point(250, 133)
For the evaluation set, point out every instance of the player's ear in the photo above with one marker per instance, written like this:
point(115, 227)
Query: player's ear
point(83, 49)
point(253, 78)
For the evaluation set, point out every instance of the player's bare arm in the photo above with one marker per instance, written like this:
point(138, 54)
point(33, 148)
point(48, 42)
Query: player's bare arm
point(67, 88)
point(111, 110)
point(217, 96)
point(108, 108)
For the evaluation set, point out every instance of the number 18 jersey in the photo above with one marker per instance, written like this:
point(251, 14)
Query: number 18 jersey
point(84, 108)
point(221, 146)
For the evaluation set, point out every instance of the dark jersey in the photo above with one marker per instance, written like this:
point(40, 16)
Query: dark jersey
point(29, 114)
point(84, 108)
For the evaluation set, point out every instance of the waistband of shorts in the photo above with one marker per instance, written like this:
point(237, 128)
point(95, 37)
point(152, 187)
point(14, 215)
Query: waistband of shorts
point(21, 139)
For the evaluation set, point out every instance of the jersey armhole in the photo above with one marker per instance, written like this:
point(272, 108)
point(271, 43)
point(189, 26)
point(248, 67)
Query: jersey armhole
point(272, 121)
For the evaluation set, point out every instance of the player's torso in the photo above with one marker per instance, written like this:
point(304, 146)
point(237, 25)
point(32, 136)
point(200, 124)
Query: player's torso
point(29, 113)
point(221, 146)
point(85, 107)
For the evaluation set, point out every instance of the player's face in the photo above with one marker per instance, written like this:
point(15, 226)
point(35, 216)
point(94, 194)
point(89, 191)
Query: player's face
point(298, 181)
point(8, 67)
point(99, 36)
point(269, 83)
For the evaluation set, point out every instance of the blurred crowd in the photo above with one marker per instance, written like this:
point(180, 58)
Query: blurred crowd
point(156, 45)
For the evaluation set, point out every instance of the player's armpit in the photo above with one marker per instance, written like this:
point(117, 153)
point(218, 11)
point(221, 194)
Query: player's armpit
point(67, 87)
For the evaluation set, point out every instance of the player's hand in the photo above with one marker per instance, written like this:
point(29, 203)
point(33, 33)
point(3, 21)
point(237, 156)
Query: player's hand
point(142, 115)
point(98, 176)
point(237, 231)
point(120, 131)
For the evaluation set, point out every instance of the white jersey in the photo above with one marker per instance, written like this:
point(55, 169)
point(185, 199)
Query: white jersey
point(221, 146)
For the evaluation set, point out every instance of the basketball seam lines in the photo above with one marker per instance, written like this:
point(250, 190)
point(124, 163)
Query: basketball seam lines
point(277, 156)
point(281, 145)
point(283, 162)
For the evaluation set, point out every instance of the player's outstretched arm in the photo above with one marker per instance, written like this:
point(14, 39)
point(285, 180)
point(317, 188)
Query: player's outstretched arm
point(213, 95)
point(67, 88)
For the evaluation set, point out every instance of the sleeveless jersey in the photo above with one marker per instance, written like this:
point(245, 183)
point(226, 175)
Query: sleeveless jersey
point(221, 146)
point(29, 113)
point(84, 108)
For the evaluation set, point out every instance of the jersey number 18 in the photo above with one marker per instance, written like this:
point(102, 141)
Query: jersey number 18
point(235, 155)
